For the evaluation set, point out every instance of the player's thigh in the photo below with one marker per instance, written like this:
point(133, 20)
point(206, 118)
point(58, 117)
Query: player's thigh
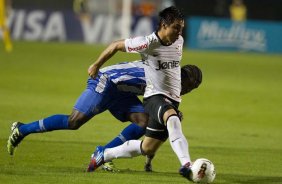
point(156, 130)
point(141, 119)
point(91, 103)
point(150, 145)
point(127, 107)
point(156, 106)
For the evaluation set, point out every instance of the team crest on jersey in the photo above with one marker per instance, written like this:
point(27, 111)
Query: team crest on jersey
point(179, 49)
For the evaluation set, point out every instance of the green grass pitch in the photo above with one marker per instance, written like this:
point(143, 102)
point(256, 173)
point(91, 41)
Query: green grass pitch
point(234, 118)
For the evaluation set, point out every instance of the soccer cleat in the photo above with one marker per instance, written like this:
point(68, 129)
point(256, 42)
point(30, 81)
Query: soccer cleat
point(185, 171)
point(110, 166)
point(15, 138)
point(148, 167)
point(97, 159)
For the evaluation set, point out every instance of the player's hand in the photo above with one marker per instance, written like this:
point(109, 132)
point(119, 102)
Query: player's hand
point(93, 71)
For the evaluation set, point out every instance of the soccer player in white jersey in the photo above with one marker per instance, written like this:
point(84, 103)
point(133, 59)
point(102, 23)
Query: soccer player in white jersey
point(161, 52)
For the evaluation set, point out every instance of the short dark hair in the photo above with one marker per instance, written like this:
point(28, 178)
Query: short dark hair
point(169, 15)
point(194, 73)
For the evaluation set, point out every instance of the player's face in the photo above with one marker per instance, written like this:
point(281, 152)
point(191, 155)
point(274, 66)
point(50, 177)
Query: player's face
point(174, 30)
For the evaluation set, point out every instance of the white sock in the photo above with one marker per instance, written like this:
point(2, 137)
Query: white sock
point(126, 150)
point(177, 140)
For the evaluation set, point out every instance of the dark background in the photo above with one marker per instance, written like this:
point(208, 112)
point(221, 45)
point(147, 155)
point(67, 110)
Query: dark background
point(257, 9)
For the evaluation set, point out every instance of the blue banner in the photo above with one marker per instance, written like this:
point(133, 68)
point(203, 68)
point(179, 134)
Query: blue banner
point(224, 34)
point(62, 26)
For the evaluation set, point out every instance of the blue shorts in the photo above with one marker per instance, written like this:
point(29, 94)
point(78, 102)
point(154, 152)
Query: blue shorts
point(101, 94)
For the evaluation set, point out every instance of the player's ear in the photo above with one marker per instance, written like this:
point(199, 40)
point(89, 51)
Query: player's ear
point(164, 25)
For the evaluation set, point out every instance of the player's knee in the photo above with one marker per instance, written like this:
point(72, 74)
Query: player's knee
point(168, 114)
point(75, 123)
point(141, 119)
point(142, 123)
point(76, 120)
point(174, 127)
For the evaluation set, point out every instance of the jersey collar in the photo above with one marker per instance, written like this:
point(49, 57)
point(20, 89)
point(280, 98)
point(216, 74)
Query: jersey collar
point(156, 33)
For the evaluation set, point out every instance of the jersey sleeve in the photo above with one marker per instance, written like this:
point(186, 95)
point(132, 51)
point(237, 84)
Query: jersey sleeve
point(137, 45)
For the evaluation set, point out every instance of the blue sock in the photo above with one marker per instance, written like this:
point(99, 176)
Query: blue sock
point(55, 122)
point(131, 132)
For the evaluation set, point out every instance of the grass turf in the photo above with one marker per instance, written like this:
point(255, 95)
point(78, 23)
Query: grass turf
point(233, 119)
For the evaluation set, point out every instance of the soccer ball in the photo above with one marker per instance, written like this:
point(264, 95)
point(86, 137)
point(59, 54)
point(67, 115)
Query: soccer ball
point(203, 171)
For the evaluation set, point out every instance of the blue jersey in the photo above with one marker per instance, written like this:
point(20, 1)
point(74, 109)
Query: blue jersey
point(127, 77)
point(114, 89)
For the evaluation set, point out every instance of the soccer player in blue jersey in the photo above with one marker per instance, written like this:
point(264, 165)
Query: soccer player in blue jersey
point(115, 89)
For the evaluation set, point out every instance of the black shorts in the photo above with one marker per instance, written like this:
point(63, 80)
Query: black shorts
point(156, 106)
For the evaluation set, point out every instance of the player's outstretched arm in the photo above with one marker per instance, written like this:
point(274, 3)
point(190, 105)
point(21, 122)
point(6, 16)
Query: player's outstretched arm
point(104, 56)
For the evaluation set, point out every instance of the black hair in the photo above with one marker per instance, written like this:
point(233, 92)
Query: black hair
point(193, 73)
point(169, 15)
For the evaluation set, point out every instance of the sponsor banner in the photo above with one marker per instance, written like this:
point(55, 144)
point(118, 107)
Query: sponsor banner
point(43, 25)
point(224, 34)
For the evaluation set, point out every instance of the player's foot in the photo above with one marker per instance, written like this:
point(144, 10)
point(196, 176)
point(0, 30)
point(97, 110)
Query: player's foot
point(185, 171)
point(110, 166)
point(15, 138)
point(97, 159)
point(148, 167)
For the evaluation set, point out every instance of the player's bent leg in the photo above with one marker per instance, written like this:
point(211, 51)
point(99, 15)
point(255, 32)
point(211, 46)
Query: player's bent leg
point(54, 122)
point(134, 131)
point(150, 145)
point(77, 119)
point(129, 149)
point(131, 132)
point(21, 130)
point(149, 148)
point(178, 143)
point(177, 140)
point(15, 138)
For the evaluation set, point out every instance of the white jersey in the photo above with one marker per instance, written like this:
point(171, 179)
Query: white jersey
point(162, 64)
